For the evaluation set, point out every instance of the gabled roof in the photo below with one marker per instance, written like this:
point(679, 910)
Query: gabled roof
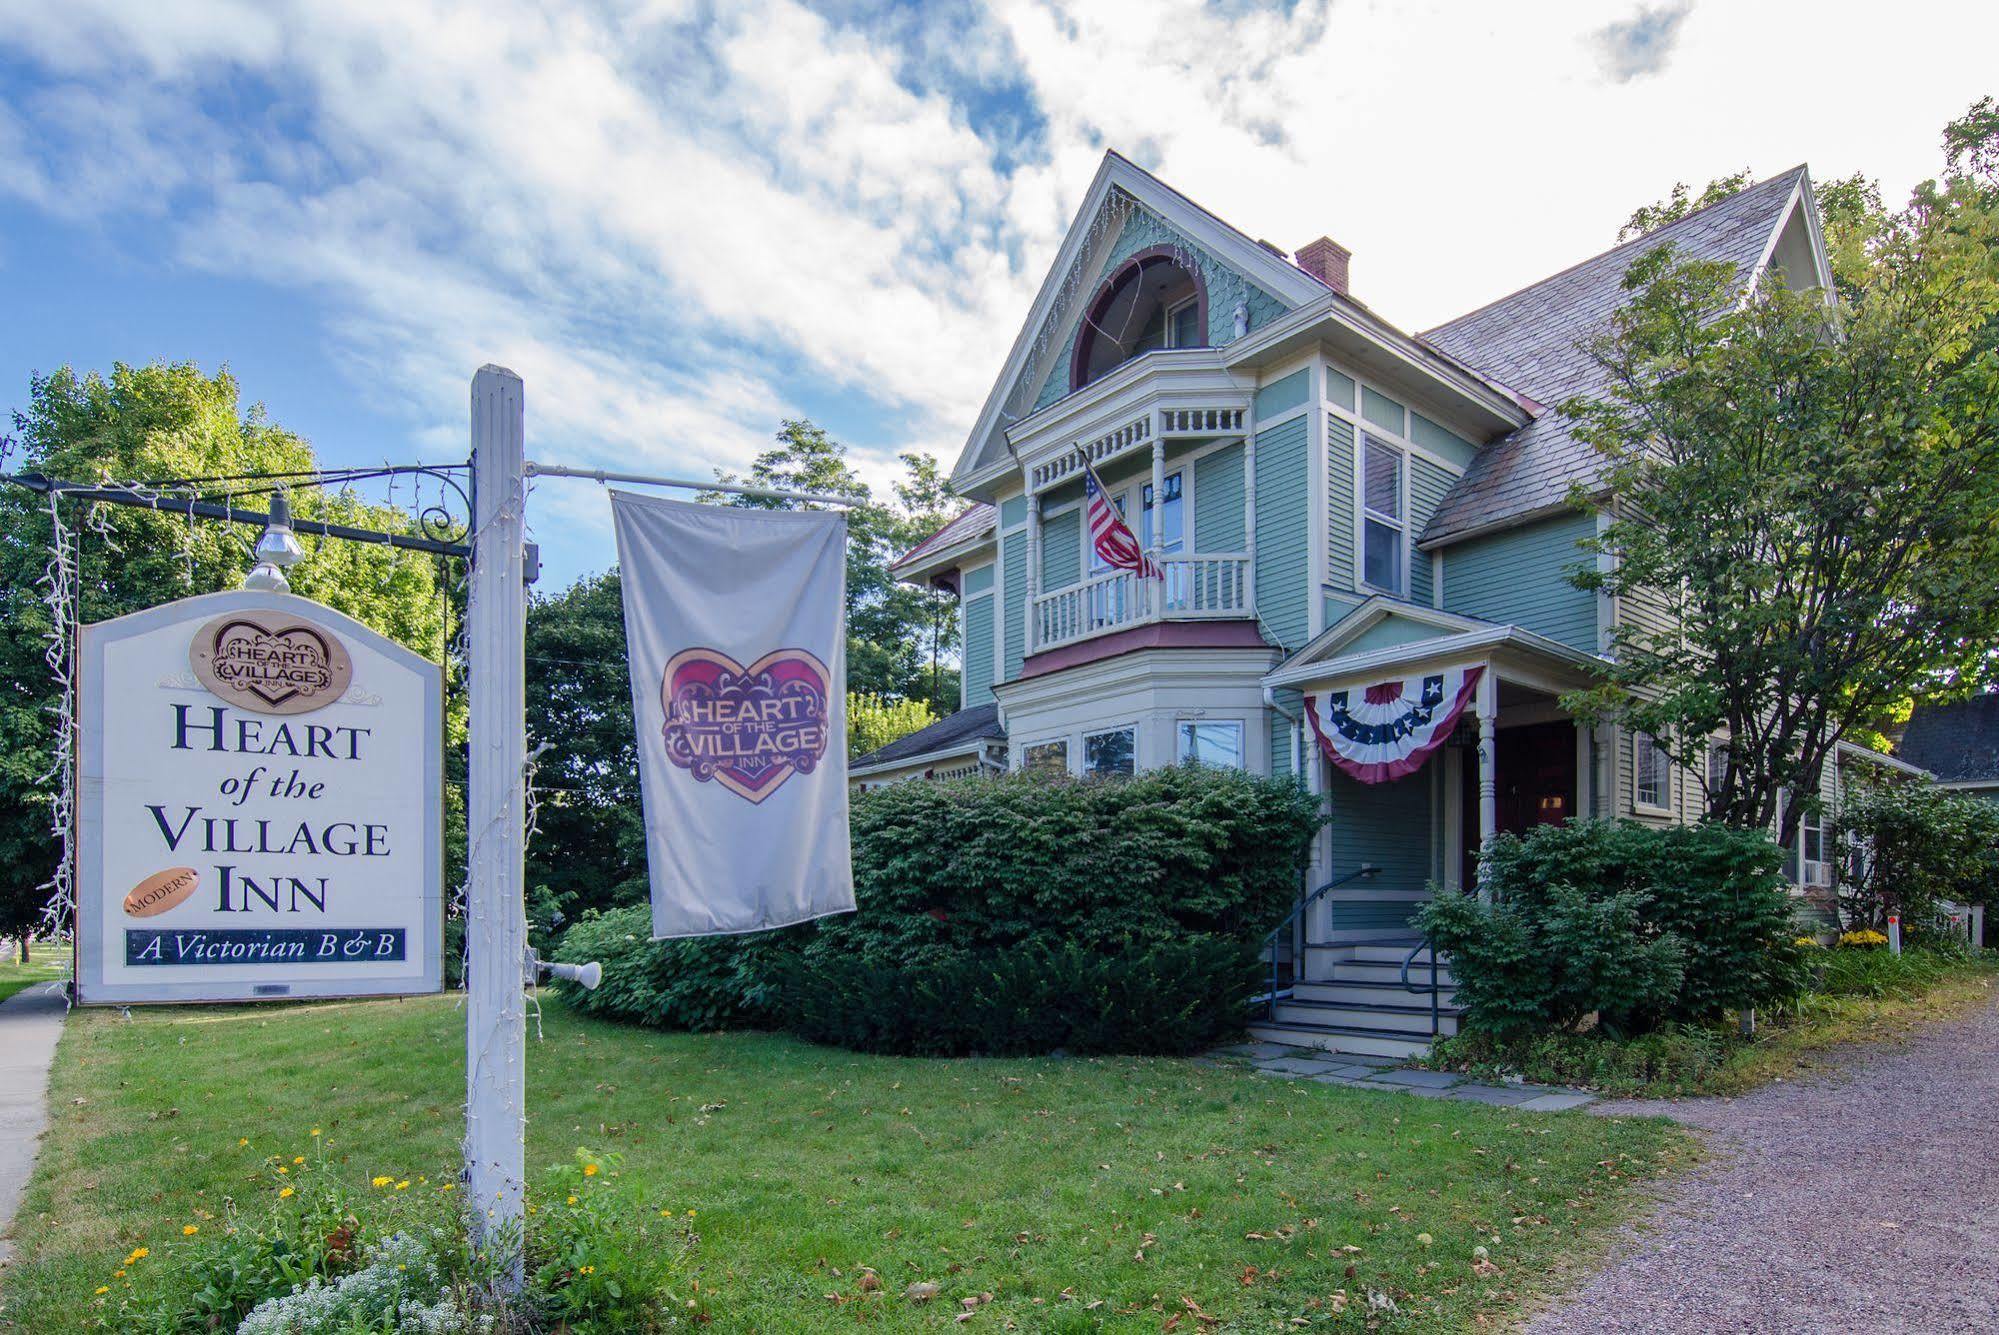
point(1276, 275)
point(976, 521)
point(1529, 340)
point(1958, 743)
point(954, 732)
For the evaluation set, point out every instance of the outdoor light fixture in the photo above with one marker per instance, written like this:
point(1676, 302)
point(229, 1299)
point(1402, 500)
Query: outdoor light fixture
point(277, 548)
point(585, 976)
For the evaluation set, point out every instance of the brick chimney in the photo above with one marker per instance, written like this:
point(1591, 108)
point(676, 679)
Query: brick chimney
point(1326, 260)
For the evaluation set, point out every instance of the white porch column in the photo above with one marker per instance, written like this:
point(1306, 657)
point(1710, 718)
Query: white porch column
point(1033, 567)
point(1487, 704)
point(1157, 538)
point(1249, 519)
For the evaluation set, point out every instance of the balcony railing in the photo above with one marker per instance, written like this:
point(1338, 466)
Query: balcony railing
point(1193, 587)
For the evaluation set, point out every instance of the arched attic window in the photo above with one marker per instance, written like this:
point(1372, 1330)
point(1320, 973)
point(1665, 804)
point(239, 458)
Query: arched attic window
point(1152, 301)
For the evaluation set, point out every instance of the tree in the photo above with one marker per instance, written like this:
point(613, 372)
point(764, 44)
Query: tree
point(897, 635)
point(1807, 483)
point(874, 721)
point(141, 424)
point(1648, 218)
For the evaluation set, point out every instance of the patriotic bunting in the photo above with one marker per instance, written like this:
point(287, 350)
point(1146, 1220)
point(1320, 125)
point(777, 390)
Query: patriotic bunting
point(1387, 730)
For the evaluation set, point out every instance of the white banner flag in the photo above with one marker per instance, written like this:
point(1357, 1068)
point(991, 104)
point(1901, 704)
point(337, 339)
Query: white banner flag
point(736, 623)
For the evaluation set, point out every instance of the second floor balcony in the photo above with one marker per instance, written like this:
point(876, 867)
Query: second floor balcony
point(1192, 587)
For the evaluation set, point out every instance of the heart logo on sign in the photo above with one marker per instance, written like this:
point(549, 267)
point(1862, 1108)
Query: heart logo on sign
point(270, 662)
point(746, 728)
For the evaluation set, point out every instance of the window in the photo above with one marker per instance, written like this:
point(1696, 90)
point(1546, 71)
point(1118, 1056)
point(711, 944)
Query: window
point(1047, 759)
point(1183, 325)
point(1381, 515)
point(1151, 302)
point(1113, 752)
point(1175, 525)
point(1717, 766)
point(1216, 744)
point(1649, 777)
point(1813, 869)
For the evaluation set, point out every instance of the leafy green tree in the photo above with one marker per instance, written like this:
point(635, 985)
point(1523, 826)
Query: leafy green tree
point(897, 636)
point(1923, 845)
point(148, 423)
point(873, 721)
point(1809, 483)
point(1648, 218)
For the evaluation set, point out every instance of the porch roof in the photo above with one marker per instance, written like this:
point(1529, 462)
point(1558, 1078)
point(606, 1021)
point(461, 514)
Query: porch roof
point(1351, 649)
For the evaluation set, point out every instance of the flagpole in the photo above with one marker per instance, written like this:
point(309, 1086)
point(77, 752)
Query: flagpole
point(495, 915)
point(693, 484)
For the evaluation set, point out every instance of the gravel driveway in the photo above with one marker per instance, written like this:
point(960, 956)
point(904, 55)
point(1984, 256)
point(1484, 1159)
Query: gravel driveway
point(1867, 1200)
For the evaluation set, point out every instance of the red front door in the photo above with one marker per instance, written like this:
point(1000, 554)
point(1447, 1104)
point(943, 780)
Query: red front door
point(1535, 768)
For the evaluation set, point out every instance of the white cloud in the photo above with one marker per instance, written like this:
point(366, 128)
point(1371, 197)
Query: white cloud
point(681, 222)
point(1633, 47)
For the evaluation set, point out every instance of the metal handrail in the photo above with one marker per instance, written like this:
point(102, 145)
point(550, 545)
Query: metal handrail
point(1297, 911)
point(1436, 1015)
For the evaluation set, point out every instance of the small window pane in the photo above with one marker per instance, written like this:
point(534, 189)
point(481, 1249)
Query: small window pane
point(1174, 520)
point(1110, 752)
point(1381, 559)
point(1049, 759)
point(1717, 765)
point(1648, 766)
point(1217, 744)
point(1381, 487)
point(1186, 322)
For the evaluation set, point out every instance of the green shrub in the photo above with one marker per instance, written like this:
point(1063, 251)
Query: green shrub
point(1676, 1059)
point(1639, 924)
point(1925, 845)
point(978, 868)
point(1877, 973)
point(1170, 998)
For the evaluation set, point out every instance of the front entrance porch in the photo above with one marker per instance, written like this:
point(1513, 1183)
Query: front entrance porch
point(1423, 748)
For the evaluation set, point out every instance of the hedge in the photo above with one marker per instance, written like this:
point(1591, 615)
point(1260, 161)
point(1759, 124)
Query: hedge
point(1112, 869)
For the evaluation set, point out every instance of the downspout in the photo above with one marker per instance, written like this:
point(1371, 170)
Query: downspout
point(1297, 722)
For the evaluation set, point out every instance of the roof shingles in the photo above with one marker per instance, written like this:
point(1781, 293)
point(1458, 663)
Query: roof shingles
point(1531, 341)
point(967, 725)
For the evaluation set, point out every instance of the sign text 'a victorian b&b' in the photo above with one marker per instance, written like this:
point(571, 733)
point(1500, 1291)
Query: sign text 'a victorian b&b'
point(260, 805)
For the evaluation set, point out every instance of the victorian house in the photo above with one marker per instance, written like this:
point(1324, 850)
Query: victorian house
point(1363, 538)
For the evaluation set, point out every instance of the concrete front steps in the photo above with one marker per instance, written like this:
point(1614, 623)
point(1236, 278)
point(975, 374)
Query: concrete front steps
point(1353, 1001)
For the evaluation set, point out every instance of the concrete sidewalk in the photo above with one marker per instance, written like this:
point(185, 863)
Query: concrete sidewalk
point(30, 1023)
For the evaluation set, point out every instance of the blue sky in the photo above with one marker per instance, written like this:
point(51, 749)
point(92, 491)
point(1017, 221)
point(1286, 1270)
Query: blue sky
point(683, 222)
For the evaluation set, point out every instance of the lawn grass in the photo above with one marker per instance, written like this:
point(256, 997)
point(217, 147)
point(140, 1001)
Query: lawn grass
point(1082, 1194)
point(40, 968)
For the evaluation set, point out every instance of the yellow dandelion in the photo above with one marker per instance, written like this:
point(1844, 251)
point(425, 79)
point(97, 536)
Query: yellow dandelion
point(117, 1274)
point(380, 1180)
point(283, 1169)
point(315, 1131)
point(285, 1194)
point(403, 1185)
point(589, 1170)
point(666, 1214)
point(242, 1142)
point(449, 1186)
point(103, 1289)
point(572, 1200)
point(588, 1270)
point(690, 1214)
point(138, 1254)
point(189, 1230)
point(300, 1158)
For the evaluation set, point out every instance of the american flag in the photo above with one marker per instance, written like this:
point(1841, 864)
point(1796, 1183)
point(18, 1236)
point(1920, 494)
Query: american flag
point(1113, 539)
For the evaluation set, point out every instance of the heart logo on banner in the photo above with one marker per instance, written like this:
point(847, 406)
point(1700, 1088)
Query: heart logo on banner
point(746, 728)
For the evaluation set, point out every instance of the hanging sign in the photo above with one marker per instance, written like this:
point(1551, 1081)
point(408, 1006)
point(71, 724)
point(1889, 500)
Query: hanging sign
point(1386, 731)
point(259, 806)
point(736, 625)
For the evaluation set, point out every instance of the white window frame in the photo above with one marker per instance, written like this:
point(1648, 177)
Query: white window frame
point(1641, 743)
point(1813, 873)
point(1366, 436)
point(1082, 767)
point(1180, 756)
point(1173, 311)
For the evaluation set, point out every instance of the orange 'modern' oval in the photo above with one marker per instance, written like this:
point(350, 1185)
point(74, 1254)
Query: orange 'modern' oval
point(161, 891)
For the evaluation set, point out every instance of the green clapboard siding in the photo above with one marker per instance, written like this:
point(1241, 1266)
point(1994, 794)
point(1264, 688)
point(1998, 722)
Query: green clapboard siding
point(1013, 579)
point(1281, 396)
point(1427, 485)
point(1439, 441)
point(979, 651)
point(1062, 550)
point(1517, 577)
point(1339, 606)
point(1218, 517)
point(1339, 502)
point(979, 581)
point(1283, 542)
point(1387, 824)
point(1383, 411)
point(1339, 389)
